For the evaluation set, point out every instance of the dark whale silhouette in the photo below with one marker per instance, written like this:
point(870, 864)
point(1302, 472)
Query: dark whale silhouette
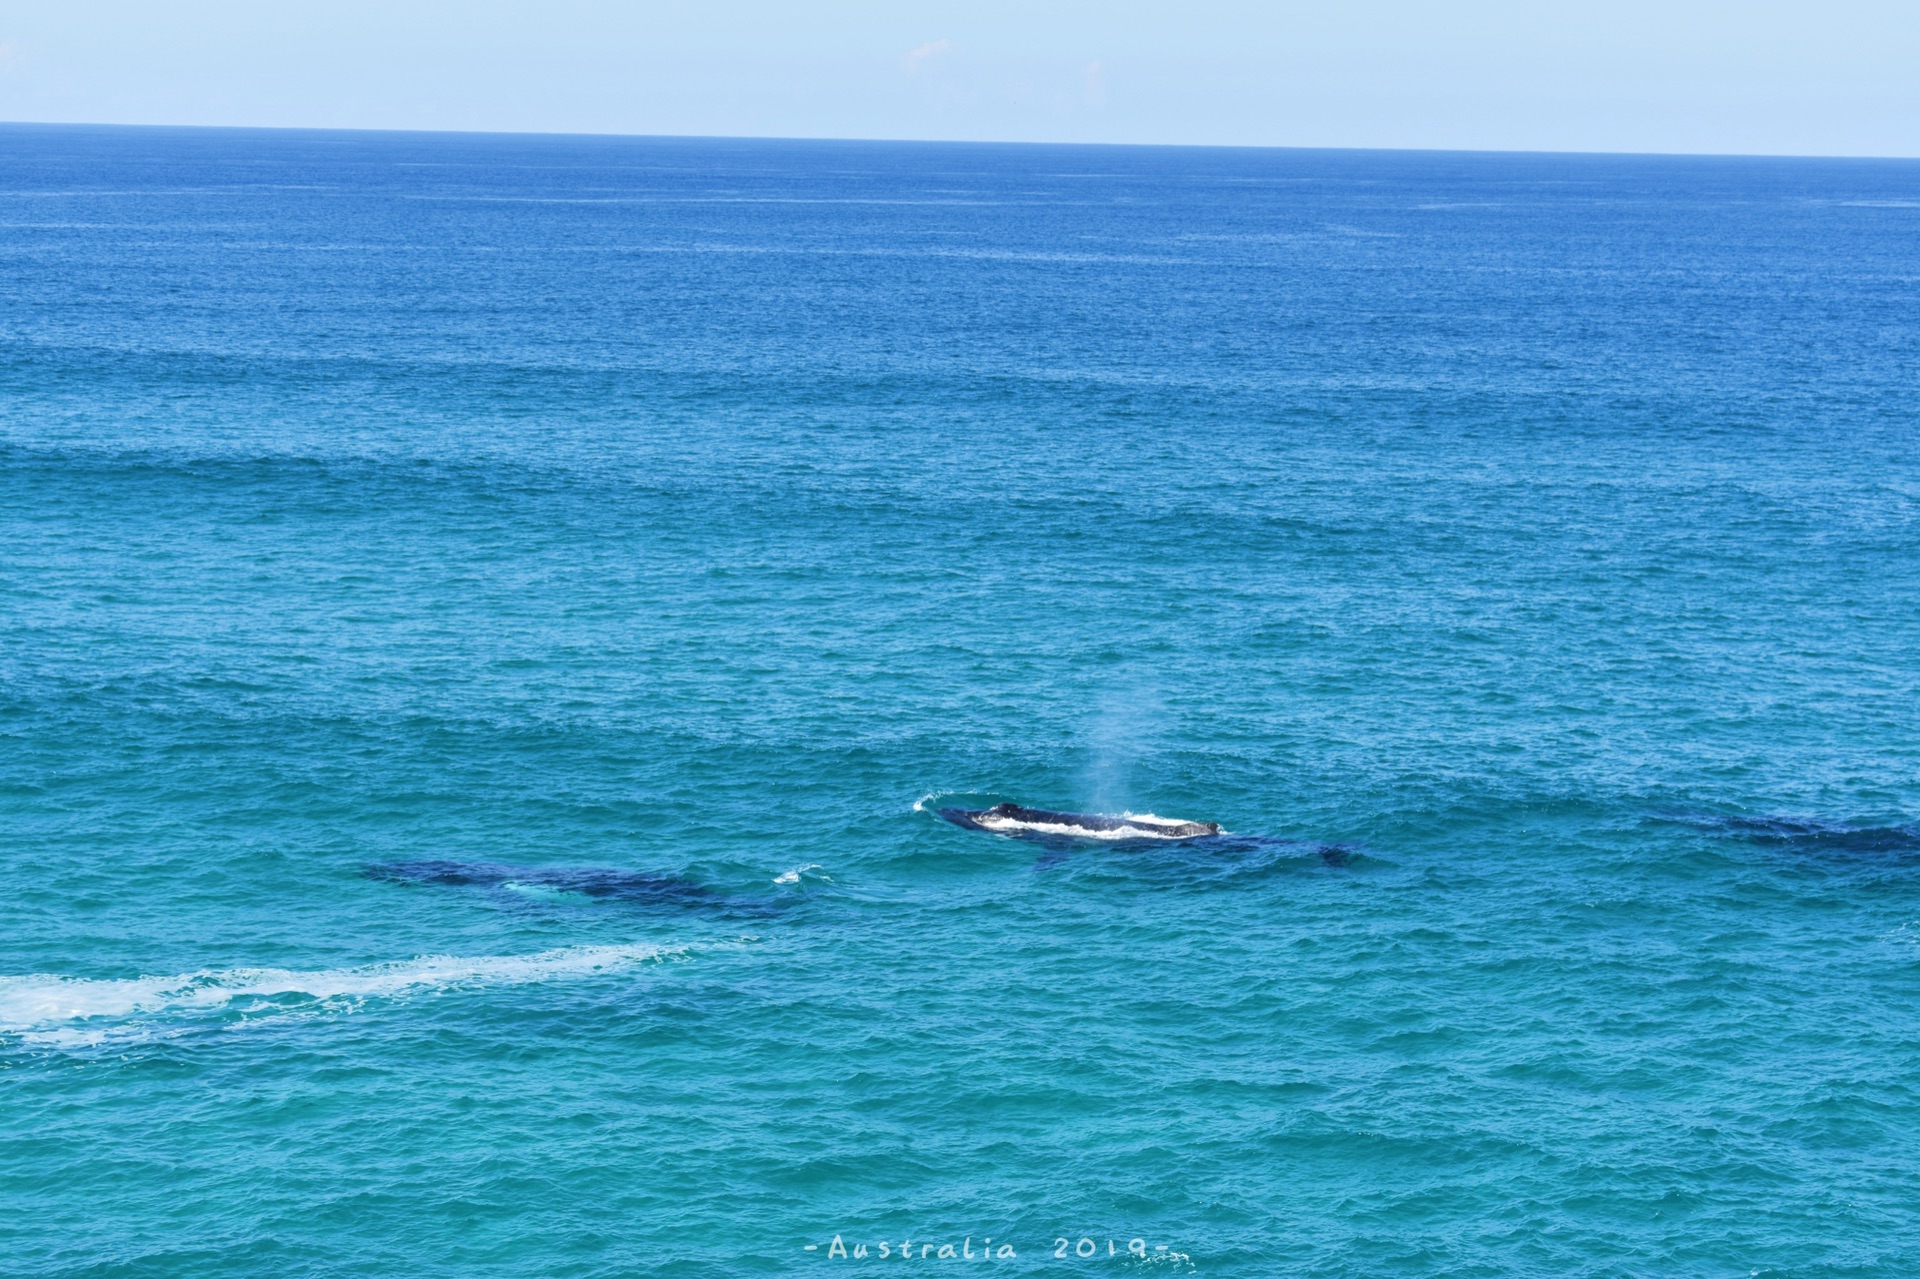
point(1812, 834)
point(636, 887)
point(1046, 824)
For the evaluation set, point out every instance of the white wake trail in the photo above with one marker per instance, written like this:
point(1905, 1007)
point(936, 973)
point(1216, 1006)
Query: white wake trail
point(43, 1004)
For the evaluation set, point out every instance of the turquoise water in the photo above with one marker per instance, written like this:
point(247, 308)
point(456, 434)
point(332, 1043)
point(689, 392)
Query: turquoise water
point(480, 617)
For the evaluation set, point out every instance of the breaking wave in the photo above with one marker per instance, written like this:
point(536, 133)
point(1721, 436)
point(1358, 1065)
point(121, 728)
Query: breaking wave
point(798, 873)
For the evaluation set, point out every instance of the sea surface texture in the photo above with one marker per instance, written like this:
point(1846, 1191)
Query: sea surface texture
point(486, 624)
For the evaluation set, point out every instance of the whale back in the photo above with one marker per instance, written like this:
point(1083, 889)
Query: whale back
point(1046, 823)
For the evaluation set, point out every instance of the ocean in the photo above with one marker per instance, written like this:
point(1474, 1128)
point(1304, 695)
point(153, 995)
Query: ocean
point(487, 624)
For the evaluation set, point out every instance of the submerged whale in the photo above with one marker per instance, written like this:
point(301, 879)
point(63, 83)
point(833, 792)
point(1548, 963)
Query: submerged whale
point(1812, 834)
point(1046, 824)
point(596, 883)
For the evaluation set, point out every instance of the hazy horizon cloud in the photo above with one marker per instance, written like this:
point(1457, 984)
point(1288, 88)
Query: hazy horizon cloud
point(913, 59)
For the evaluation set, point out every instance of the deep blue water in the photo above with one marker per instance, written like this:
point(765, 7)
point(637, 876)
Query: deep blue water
point(479, 615)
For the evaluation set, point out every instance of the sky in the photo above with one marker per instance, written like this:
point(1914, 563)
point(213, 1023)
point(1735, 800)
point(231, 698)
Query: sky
point(1841, 77)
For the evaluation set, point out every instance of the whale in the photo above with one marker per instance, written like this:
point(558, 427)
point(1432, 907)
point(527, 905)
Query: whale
point(595, 883)
point(1811, 834)
point(1049, 824)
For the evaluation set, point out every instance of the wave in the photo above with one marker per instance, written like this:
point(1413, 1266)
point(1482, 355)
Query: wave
point(798, 873)
point(53, 1009)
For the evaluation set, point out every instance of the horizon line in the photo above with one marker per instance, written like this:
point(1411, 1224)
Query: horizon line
point(954, 142)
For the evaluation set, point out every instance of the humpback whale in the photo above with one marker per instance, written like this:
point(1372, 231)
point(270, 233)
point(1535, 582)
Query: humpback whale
point(1812, 834)
point(601, 884)
point(1046, 824)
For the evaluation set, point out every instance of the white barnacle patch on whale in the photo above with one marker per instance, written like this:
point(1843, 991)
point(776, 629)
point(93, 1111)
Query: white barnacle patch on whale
point(1044, 823)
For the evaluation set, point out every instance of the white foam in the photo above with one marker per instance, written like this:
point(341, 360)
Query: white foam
point(44, 1003)
point(540, 892)
point(793, 876)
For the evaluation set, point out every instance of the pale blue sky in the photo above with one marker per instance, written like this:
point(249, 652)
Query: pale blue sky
point(1839, 77)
